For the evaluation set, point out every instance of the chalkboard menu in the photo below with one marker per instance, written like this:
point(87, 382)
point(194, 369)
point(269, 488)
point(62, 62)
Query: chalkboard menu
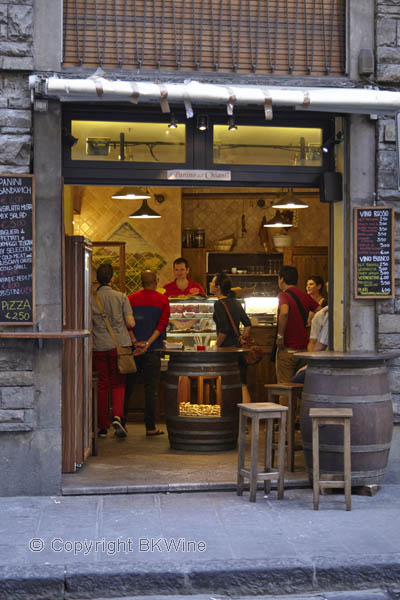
point(374, 252)
point(17, 248)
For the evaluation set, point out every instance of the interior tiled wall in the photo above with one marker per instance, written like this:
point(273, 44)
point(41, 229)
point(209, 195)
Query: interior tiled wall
point(222, 218)
point(152, 243)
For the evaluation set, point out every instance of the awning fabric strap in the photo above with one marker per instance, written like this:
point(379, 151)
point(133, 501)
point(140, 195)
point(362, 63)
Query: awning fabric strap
point(135, 93)
point(268, 108)
point(164, 98)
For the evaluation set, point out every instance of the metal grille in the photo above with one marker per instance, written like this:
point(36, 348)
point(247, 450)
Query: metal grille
point(245, 36)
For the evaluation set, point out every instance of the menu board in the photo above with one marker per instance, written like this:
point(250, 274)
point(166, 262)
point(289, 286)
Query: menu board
point(374, 252)
point(17, 248)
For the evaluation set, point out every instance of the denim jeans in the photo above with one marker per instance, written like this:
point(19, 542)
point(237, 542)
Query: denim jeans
point(149, 366)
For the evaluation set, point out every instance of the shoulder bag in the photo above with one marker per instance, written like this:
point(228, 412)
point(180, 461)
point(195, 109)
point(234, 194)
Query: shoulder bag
point(126, 362)
point(253, 353)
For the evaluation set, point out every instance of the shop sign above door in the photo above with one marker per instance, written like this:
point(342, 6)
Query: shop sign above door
point(199, 174)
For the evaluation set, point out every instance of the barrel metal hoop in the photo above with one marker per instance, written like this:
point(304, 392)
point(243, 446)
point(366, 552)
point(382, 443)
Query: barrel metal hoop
point(208, 373)
point(354, 449)
point(189, 434)
point(233, 386)
point(347, 372)
point(321, 398)
point(199, 419)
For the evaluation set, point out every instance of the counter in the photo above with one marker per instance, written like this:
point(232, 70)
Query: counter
point(208, 421)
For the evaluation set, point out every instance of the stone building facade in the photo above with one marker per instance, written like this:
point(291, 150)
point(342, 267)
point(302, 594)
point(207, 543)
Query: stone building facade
point(387, 181)
point(30, 142)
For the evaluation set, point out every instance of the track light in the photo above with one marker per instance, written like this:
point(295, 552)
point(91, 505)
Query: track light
point(332, 141)
point(173, 124)
point(145, 212)
point(202, 123)
point(231, 124)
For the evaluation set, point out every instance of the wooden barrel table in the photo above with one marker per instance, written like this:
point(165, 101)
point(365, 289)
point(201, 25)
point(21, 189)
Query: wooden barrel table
point(207, 433)
point(357, 380)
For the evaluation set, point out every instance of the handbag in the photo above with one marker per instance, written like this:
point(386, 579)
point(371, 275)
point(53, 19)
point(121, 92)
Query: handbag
point(252, 353)
point(125, 360)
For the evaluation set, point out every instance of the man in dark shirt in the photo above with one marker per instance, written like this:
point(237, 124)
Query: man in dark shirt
point(292, 337)
point(151, 310)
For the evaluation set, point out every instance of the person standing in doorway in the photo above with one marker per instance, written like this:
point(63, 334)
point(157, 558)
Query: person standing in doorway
point(119, 313)
point(294, 305)
point(151, 312)
point(182, 285)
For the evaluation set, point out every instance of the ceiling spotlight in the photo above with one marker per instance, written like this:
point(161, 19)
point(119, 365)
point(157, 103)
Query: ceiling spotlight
point(68, 139)
point(131, 193)
point(231, 124)
point(145, 212)
point(289, 202)
point(173, 124)
point(202, 123)
point(280, 220)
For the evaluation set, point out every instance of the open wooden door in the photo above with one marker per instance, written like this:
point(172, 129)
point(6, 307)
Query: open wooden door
point(78, 428)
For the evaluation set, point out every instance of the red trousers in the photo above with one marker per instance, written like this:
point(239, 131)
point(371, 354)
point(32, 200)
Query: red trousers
point(105, 364)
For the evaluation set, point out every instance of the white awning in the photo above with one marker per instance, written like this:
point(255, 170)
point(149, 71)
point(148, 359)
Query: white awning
point(333, 99)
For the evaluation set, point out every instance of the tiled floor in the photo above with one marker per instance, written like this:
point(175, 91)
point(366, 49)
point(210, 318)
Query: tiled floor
point(139, 463)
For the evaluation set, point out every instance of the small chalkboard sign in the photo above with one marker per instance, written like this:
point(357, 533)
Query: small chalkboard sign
point(17, 249)
point(374, 252)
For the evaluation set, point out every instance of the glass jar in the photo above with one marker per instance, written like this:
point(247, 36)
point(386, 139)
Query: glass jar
point(199, 238)
point(187, 238)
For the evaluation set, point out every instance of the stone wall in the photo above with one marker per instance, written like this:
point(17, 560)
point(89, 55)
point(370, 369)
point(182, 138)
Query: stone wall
point(29, 392)
point(16, 62)
point(388, 77)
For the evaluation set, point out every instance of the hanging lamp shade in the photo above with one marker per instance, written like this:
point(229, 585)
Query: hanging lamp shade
point(280, 220)
point(145, 212)
point(131, 193)
point(289, 202)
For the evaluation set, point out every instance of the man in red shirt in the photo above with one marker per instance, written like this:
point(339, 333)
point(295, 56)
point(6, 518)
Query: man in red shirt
point(182, 285)
point(152, 315)
point(293, 310)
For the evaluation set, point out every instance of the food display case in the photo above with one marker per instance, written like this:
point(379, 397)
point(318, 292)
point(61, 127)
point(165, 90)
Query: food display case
point(191, 317)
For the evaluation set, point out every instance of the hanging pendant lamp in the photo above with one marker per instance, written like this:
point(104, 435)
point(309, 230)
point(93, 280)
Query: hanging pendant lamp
point(131, 193)
point(280, 220)
point(289, 202)
point(145, 212)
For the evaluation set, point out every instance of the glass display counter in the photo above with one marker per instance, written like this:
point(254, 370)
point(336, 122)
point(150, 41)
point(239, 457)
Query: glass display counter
point(191, 318)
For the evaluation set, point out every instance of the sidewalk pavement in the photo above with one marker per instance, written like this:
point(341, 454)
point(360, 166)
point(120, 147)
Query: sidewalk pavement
point(197, 543)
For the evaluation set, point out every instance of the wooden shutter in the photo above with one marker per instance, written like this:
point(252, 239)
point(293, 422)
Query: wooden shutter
point(298, 37)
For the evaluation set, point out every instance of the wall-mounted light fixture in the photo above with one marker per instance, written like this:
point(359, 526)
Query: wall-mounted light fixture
point(173, 124)
point(332, 141)
point(289, 202)
point(131, 193)
point(231, 124)
point(145, 212)
point(68, 139)
point(281, 219)
point(202, 122)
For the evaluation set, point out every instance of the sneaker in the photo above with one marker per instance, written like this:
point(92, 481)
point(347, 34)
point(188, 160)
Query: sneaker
point(120, 430)
point(102, 432)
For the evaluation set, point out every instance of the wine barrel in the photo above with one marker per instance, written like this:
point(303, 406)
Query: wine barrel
point(364, 387)
point(203, 434)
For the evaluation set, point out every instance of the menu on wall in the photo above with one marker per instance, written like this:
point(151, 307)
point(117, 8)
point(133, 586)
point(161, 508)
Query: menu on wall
point(374, 252)
point(17, 248)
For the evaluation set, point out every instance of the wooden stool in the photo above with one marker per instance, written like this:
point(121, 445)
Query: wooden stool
point(290, 391)
point(257, 411)
point(331, 416)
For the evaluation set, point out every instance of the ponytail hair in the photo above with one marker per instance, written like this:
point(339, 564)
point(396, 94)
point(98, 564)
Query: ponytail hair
point(223, 281)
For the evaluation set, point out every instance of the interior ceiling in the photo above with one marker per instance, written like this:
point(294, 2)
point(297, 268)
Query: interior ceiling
point(256, 193)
